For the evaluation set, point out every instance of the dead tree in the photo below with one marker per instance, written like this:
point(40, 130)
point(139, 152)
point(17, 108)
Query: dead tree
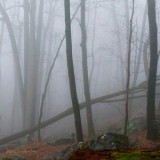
point(128, 69)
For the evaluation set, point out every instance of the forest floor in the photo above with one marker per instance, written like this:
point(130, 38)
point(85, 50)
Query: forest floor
point(41, 150)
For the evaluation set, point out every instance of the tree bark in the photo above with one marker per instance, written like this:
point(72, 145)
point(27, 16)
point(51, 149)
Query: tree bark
point(91, 130)
point(71, 75)
point(151, 133)
point(48, 79)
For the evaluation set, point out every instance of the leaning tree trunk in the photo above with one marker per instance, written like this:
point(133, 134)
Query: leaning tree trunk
point(91, 131)
point(68, 112)
point(48, 80)
point(15, 56)
point(72, 83)
point(151, 133)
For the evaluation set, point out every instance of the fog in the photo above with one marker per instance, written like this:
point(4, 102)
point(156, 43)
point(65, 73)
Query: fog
point(107, 28)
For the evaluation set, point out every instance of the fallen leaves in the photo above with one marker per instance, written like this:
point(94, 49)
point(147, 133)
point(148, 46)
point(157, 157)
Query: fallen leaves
point(33, 151)
point(41, 150)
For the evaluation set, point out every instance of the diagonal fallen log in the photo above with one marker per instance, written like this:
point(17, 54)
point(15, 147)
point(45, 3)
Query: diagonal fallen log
point(68, 112)
point(62, 115)
point(123, 99)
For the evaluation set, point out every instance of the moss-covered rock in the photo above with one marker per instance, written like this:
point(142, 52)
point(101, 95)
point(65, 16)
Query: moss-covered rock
point(107, 141)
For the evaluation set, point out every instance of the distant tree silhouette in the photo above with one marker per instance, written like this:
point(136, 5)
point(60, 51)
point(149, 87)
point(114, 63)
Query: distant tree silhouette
point(128, 68)
point(91, 131)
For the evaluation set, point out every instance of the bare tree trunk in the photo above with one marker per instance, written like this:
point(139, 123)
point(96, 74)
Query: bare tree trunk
point(48, 79)
point(140, 47)
point(2, 30)
point(70, 66)
point(50, 22)
point(1, 42)
point(120, 64)
point(39, 28)
point(127, 21)
point(151, 133)
point(38, 68)
point(128, 69)
point(15, 110)
point(15, 56)
point(31, 72)
point(91, 131)
point(26, 54)
point(145, 57)
point(93, 43)
point(45, 36)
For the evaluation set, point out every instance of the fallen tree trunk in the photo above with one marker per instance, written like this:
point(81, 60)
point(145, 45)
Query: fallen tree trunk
point(123, 99)
point(68, 112)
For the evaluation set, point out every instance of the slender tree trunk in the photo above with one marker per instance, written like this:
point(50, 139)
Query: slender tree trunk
point(120, 64)
point(15, 56)
point(72, 83)
point(128, 69)
point(26, 54)
point(145, 57)
point(93, 43)
point(31, 84)
point(151, 133)
point(15, 110)
point(1, 44)
point(38, 68)
point(140, 48)
point(1, 41)
point(48, 79)
point(49, 24)
point(39, 28)
point(127, 21)
point(91, 131)
point(2, 30)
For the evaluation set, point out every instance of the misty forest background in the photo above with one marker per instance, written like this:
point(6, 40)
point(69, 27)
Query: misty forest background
point(111, 53)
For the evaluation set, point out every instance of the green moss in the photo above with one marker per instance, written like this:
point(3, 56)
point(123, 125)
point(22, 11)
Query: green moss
point(127, 156)
point(13, 158)
point(136, 155)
